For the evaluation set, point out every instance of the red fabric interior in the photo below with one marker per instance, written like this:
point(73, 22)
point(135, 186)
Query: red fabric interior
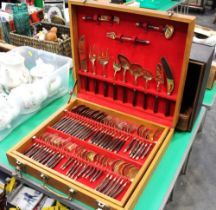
point(147, 56)
point(72, 154)
point(91, 147)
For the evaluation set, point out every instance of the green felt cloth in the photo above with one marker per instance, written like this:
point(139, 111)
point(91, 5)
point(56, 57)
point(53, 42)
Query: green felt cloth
point(162, 178)
point(209, 96)
point(159, 183)
point(162, 5)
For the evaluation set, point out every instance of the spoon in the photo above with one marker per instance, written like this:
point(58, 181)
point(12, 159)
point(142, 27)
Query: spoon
point(126, 66)
point(137, 71)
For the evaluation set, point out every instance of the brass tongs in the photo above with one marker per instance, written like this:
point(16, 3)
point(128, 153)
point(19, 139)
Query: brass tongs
point(113, 35)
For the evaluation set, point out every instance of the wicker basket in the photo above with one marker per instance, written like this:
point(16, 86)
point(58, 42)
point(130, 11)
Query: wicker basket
point(61, 48)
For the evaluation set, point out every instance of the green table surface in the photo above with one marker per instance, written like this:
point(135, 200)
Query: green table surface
point(209, 97)
point(162, 5)
point(163, 177)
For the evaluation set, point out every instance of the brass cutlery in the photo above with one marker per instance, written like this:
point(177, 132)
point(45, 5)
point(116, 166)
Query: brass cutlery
point(92, 58)
point(83, 59)
point(121, 38)
point(102, 18)
point(117, 68)
point(137, 71)
point(103, 59)
point(167, 30)
point(148, 77)
point(159, 78)
point(125, 64)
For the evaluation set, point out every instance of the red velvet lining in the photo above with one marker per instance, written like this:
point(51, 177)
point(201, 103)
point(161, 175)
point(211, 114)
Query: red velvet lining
point(84, 181)
point(121, 155)
point(98, 149)
point(147, 56)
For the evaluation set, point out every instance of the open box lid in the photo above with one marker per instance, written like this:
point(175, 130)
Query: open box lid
point(145, 38)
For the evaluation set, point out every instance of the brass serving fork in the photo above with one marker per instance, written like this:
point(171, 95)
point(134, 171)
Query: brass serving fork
point(92, 58)
point(117, 68)
point(103, 58)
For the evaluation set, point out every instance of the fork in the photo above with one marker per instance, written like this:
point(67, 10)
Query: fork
point(92, 58)
point(103, 59)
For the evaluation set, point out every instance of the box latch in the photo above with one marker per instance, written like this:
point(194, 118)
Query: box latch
point(102, 206)
point(71, 191)
point(20, 167)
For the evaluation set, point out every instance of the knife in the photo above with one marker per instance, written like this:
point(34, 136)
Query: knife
point(169, 76)
point(83, 59)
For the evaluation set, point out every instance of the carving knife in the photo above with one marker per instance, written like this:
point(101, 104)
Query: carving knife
point(169, 76)
point(83, 58)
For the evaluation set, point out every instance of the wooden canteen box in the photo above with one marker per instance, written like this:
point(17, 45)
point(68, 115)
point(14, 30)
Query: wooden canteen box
point(130, 65)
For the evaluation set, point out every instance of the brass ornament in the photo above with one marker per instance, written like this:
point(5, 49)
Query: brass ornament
point(168, 31)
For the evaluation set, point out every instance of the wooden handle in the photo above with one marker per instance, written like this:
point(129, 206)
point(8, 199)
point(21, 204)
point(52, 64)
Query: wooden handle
point(124, 95)
point(141, 41)
point(95, 86)
point(134, 97)
point(114, 92)
point(86, 84)
point(105, 89)
point(144, 101)
point(156, 102)
point(167, 112)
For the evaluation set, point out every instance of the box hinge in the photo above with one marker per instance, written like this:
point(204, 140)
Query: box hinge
point(20, 167)
point(71, 191)
point(102, 206)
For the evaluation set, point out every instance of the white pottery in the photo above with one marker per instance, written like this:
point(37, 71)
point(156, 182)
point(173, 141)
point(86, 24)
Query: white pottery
point(53, 85)
point(8, 112)
point(29, 97)
point(41, 70)
point(13, 71)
